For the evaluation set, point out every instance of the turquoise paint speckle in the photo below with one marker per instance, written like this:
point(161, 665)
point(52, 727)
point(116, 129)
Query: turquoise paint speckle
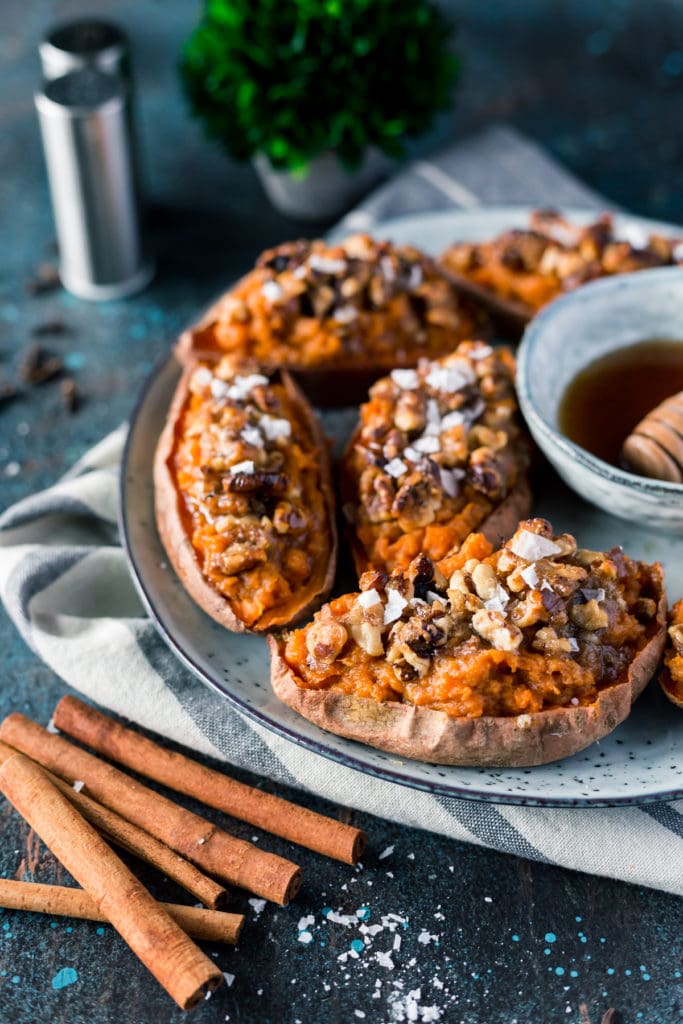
point(610, 970)
point(515, 938)
point(3, 973)
point(578, 920)
point(326, 911)
point(547, 952)
point(475, 975)
point(53, 924)
point(357, 945)
point(583, 938)
point(5, 926)
point(559, 971)
point(627, 973)
point(573, 974)
point(363, 913)
point(67, 976)
point(75, 360)
point(100, 931)
point(677, 974)
point(16, 979)
point(646, 977)
point(550, 937)
point(603, 939)
point(69, 928)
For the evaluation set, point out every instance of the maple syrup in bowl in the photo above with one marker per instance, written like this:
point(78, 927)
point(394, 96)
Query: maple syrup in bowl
point(605, 401)
point(590, 366)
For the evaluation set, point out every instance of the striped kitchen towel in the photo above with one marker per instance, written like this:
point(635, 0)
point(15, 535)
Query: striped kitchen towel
point(65, 583)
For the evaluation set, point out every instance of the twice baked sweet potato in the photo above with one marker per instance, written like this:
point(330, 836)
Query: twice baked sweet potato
point(336, 315)
point(522, 270)
point(512, 658)
point(671, 678)
point(438, 453)
point(243, 496)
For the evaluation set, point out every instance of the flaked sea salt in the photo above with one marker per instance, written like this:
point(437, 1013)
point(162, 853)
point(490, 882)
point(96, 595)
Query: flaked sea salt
point(530, 576)
point(407, 380)
point(369, 598)
point(532, 547)
point(247, 467)
point(274, 427)
point(396, 468)
point(427, 444)
point(393, 609)
point(241, 386)
point(272, 291)
point(252, 435)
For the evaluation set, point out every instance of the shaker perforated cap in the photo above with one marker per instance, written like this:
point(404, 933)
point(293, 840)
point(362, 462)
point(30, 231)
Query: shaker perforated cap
point(86, 135)
point(81, 44)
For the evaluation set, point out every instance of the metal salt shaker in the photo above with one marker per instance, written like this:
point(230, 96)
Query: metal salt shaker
point(86, 127)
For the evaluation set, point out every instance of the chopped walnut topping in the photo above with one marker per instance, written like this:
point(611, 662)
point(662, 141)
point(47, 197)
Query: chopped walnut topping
point(441, 442)
point(238, 466)
point(589, 616)
point(424, 638)
point(311, 304)
point(326, 638)
point(493, 627)
point(532, 266)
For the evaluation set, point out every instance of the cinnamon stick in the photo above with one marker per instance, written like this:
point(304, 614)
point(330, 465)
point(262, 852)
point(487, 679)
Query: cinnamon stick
point(62, 901)
point(211, 849)
point(271, 813)
point(161, 944)
point(143, 845)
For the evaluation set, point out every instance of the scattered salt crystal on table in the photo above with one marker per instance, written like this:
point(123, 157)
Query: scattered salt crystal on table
point(258, 905)
point(229, 978)
point(78, 785)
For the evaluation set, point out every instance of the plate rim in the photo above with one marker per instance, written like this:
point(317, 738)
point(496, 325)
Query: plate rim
point(438, 789)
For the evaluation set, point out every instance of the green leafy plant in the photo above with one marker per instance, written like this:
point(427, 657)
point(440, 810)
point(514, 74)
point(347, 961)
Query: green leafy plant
point(292, 78)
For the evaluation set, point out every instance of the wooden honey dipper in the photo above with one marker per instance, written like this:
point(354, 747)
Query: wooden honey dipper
point(655, 446)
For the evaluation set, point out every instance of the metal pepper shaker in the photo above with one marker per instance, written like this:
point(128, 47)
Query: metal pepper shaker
point(84, 43)
point(86, 129)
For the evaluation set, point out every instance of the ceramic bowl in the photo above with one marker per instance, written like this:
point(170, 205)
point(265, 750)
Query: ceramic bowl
point(564, 339)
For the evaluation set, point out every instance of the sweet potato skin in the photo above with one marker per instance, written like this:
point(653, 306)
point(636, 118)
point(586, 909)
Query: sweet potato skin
point(673, 687)
point(424, 734)
point(178, 545)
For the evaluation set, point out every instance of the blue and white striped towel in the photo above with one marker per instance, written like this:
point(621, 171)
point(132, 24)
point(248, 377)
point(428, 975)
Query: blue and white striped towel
point(65, 583)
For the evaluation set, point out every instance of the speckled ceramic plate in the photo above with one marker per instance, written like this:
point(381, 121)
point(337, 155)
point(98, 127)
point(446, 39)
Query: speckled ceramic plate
point(638, 763)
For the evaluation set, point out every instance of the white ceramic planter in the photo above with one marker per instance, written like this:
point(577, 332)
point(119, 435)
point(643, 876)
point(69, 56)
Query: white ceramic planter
point(326, 190)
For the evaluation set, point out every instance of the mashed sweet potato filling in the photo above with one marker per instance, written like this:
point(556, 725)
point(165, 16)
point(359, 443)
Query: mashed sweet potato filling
point(308, 305)
point(248, 474)
point(536, 625)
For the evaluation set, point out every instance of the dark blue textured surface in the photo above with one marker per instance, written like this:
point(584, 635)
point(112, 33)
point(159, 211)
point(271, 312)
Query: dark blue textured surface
point(600, 85)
